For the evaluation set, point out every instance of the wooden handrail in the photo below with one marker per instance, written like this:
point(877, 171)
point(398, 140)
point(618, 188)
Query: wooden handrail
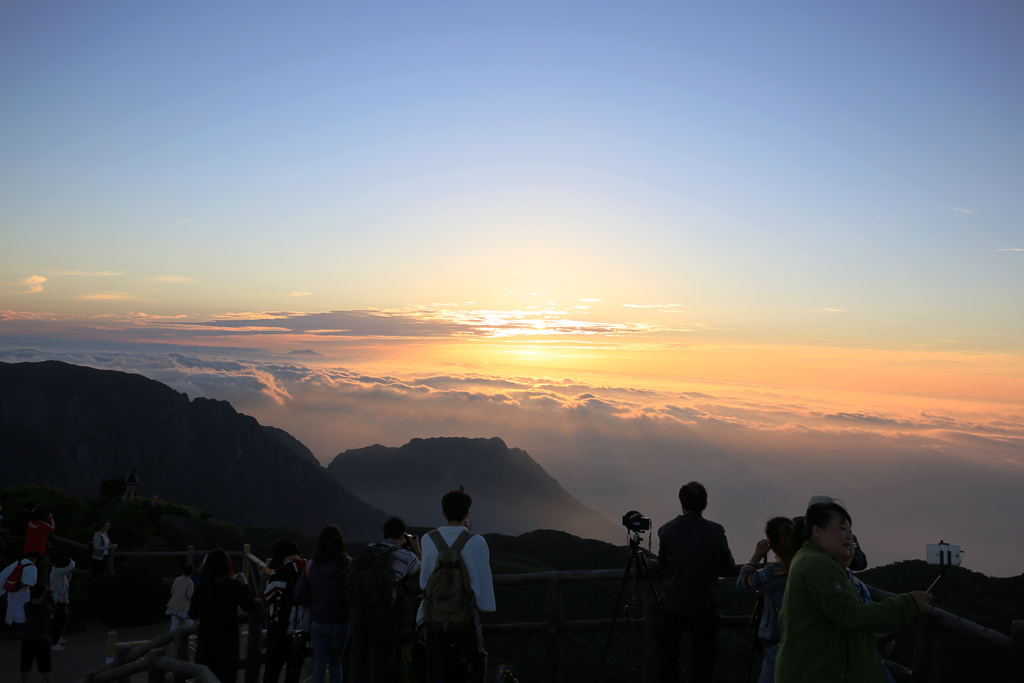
point(154, 656)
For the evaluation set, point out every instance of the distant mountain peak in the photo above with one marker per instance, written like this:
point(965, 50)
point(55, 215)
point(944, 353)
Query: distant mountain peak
point(512, 494)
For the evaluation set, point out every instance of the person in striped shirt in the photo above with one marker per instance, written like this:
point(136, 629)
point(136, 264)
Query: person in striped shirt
point(373, 626)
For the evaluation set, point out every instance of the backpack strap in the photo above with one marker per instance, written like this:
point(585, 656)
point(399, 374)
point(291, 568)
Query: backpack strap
point(438, 540)
point(461, 541)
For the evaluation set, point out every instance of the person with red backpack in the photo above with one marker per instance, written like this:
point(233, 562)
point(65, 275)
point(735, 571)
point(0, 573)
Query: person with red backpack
point(17, 580)
point(453, 557)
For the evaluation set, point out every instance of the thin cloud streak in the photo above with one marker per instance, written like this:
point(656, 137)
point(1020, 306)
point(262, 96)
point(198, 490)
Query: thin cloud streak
point(107, 296)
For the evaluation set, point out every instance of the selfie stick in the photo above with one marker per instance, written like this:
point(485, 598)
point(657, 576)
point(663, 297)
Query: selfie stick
point(946, 560)
point(941, 574)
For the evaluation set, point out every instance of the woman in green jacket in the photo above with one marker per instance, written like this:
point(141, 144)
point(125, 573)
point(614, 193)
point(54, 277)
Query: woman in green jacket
point(828, 633)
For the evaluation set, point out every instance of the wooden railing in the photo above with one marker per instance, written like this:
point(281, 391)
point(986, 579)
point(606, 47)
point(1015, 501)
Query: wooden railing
point(156, 657)
point(937, 620)
point(170, 653)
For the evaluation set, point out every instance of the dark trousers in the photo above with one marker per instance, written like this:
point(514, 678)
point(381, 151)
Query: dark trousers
point(37, 650)
point(456, 656)
point(283, 650)
point(703, 631)
point(60, 617)
point(373, 635)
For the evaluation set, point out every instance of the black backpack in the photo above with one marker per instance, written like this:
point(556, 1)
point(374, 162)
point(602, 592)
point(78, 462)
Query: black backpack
point(370, 578)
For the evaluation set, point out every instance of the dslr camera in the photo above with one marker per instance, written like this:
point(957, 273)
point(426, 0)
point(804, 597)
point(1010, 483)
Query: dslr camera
point(635, 522)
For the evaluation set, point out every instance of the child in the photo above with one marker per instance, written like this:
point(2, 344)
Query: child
point(181, 598)
point(36, 643)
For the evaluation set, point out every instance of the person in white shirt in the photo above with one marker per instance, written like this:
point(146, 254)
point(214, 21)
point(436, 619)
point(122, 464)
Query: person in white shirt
point(468, 641)
point(60, 582)
point(17, 600)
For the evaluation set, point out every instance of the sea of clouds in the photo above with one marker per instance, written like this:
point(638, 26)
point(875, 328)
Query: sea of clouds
point(908, 478)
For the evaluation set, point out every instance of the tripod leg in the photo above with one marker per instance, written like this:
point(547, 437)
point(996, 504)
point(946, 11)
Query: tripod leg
point(615, 615)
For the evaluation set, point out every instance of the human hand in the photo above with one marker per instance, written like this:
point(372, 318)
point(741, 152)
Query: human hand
point(761, 551)
point(922, 599)
point(886, 642)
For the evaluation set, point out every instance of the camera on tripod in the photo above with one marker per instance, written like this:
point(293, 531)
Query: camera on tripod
point(635, 522)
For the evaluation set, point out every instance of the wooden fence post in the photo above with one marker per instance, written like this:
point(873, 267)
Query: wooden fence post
point(253, 645)
point(553, 665)
point(925, 651)
point(1017, 646)
point(111, 647)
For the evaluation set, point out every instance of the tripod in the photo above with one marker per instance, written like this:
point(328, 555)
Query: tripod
point(638, 560)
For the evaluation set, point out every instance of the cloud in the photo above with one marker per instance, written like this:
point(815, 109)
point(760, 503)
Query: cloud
point(34, 283)
point(829, 310)
point(961, 209)
point(106, 296)
point(297, 293)
point(421, 322)
point(25, 315)
point(760, 450)
point(1011, 249)
point(138, 315)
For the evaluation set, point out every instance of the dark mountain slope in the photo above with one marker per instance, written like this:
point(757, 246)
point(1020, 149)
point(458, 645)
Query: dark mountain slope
point(72, 427)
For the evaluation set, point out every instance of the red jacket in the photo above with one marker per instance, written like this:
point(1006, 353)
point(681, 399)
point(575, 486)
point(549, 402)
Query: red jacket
point(35, 536)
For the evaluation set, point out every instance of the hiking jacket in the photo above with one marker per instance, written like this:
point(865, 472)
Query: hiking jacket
point(828, 633)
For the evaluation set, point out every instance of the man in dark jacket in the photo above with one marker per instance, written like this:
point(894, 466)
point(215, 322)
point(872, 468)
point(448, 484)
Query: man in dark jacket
point(693, 553)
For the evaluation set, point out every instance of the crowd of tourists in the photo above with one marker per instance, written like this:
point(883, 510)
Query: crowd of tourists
point(323, 602)
point(819, 623)
point(313, 606)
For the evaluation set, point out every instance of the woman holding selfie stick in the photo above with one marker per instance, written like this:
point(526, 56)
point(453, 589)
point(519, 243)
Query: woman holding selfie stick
point(828, 633)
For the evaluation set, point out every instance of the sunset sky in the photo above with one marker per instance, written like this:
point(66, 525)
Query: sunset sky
point(778, 247)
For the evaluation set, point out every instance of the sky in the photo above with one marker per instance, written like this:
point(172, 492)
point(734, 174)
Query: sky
point(776, 247)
